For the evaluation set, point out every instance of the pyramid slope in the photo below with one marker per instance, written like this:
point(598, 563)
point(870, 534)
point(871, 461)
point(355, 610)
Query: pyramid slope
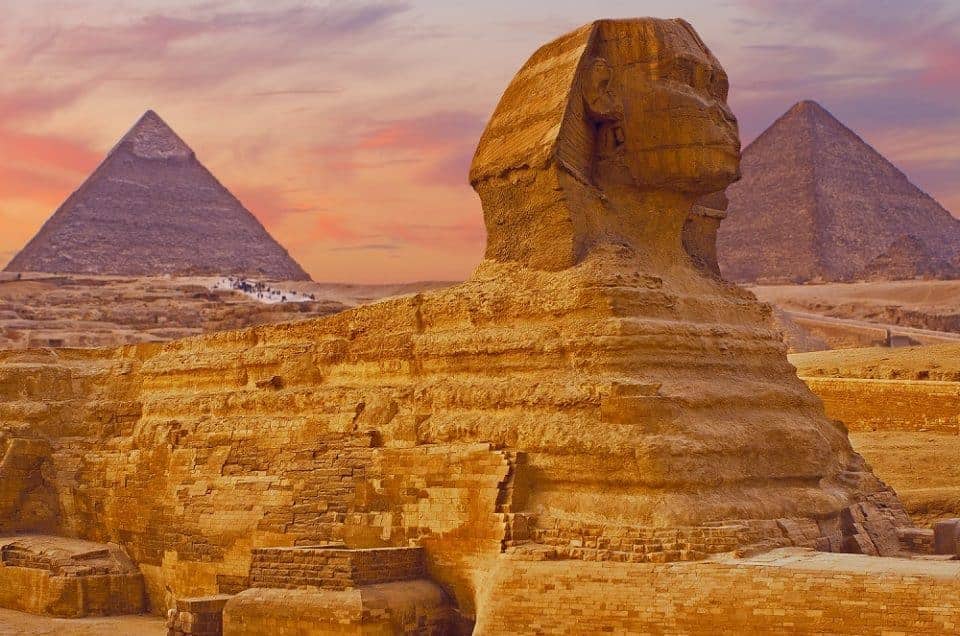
point(816, 202)
point(151, 208)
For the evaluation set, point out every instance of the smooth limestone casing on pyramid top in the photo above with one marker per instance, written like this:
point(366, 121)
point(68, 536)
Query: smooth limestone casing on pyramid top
point(589, 393)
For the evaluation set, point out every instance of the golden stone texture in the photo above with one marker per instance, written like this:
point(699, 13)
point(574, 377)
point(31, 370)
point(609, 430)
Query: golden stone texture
point(591, 393)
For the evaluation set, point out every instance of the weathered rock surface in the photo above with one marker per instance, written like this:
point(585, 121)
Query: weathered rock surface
point(902, 407)
point(905, 258)
point(817, 203)
point(68, 577)
point(151, 208)
point(62, 310)
point(591, 393)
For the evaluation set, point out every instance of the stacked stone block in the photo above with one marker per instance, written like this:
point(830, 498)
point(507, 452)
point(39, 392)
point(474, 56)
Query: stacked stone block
point(917, 540)
point(68, 578)
point(890, 405)
point(783, 593)
point(333, 568)
point(946, 537)
point(200, 616)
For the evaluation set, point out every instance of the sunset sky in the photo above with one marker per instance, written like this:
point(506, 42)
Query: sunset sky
point(348, 127)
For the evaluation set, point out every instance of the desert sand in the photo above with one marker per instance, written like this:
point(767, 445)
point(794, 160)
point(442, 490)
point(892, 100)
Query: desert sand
point(854, 315)
point(903, 409)
point(21, 624)
point(50, 310)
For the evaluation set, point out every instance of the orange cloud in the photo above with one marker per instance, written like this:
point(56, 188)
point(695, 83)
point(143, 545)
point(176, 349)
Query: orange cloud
point(441, 143)
point(45, 152)
point(271, 205)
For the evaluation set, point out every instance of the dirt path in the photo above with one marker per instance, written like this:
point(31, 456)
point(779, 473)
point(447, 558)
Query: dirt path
point(923, 336)
point(19, 624)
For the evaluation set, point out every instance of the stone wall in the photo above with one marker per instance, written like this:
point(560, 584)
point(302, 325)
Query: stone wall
point(890, 405)
point(334, 568)
point(191, 473)
point(23, 495)
point(37, 591)
point(598, 542)
point(784, 592)
point(410, 608)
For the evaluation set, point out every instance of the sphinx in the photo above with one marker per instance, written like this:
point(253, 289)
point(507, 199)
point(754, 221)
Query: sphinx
point(590, 172)
point(593, 391)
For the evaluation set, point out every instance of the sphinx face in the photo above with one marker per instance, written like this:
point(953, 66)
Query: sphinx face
point(673, 129)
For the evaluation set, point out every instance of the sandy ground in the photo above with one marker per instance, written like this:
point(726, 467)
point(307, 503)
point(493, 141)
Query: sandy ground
point(921, 467)
point(22, 624)
point(851, 315)
point(934, 362)
point(44, 310)
point(934, 296)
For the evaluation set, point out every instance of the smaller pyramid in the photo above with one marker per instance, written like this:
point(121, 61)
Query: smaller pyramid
point(817, 203)
point(151, 209)
point(908, 257)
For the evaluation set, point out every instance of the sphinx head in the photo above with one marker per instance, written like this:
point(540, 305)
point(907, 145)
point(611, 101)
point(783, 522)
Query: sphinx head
point(669, 127)
point(616, 113)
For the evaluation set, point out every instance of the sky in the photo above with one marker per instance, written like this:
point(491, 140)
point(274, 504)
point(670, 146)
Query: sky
point(348, 127)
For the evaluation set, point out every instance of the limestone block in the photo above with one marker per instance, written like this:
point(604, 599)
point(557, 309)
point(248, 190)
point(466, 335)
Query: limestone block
point(408, 607)
point(68, 578)
point(946, 537)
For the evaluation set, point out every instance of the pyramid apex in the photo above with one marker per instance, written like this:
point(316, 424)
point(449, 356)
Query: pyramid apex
point(804, 104)
point(152, 138)
point(809, 107)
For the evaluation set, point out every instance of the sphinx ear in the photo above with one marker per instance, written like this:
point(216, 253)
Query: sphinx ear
point(603, 108)
point(601, 101)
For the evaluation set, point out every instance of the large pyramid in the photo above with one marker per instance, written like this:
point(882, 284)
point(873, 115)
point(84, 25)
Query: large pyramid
point(151, 208)
point(816, 202)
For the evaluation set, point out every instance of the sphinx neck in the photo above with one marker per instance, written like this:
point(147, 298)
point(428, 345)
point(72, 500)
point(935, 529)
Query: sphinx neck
point(650, 222)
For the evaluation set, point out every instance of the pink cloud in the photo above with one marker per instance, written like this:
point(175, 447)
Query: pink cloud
point(43, 169)
point(442, 143)
point(942, 63)
point(45, 152)
point(45, 188)
point(271, 205)
point(34, 103)
point(436, 234)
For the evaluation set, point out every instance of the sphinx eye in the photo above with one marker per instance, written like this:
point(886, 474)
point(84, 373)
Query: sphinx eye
point(722, 86)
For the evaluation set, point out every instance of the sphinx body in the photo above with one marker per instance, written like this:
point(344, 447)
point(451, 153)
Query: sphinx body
point(588, 172)
point(594, 378)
